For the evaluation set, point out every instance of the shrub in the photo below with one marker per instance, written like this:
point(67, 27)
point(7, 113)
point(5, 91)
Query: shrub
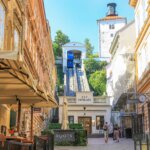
point(75, 126)
point(54, 126)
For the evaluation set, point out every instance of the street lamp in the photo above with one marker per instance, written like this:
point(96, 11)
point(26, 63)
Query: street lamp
point(84, 110)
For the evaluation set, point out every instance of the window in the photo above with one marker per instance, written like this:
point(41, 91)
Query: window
point(2, 25)
point(71, 119)
point(16, 40)
point(111, 26)
point(99, 122)
point(111, 35)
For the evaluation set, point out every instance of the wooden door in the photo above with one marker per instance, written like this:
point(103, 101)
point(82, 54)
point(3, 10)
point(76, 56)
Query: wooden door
point(87, 123)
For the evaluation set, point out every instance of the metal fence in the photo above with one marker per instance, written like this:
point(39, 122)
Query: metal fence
point(44, 142)
point(40, 143)
point(141, 141)
point(13, 145)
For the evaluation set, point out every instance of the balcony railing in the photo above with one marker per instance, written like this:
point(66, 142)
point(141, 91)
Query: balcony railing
point(96, 100)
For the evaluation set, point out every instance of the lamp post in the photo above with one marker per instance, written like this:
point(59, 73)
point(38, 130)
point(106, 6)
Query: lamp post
point(84, 108)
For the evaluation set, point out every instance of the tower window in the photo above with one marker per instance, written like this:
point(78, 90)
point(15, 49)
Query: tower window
point(111, 26)
point(111, 35)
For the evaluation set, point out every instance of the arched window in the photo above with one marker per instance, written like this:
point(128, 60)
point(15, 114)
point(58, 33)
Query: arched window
point(16, 40)
point(2, 25)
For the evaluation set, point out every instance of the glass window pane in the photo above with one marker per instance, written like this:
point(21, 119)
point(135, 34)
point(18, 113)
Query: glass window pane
point(16, 40)
point(2, 24)
point(71, 119)
point(99, 122)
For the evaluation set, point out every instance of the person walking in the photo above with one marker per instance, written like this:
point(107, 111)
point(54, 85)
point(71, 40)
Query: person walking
point(105, 128)
point(116, 133)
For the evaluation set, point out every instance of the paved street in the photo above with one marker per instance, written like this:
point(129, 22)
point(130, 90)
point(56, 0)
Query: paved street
point(98, 144)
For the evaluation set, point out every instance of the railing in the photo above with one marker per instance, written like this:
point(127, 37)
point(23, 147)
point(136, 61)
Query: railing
point(101, 100)
point(97, 100)
point(75, 80)
point(13, 145)
point(44, 142)
point(141, 141)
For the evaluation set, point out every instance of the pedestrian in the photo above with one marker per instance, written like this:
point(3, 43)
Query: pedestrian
point(116, 133)
point(105, 128)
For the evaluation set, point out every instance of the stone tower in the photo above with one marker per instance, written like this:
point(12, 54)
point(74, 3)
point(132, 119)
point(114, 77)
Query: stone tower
point(108, 26)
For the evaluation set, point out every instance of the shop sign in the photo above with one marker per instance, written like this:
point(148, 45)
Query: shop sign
point(84, 97)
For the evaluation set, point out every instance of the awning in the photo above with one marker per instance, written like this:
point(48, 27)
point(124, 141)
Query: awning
point(16, 82)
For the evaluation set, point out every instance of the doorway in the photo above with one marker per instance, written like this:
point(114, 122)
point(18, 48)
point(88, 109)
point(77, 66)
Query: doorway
point(87, 123)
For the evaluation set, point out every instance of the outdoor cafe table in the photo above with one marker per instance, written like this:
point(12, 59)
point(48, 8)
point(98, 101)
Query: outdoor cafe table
point(18, 139)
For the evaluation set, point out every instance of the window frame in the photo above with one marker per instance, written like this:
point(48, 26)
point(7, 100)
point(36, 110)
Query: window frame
point(69, 119)
point(111, 26)
point(100, 126)
point(4, 8)
point(17, 31)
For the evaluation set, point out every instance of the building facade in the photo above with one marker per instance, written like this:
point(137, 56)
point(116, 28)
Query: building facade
point(91, 112)
point(142, 56)
point(27, 64)
point(107, 27)
point(79, 51)
point(121, 76)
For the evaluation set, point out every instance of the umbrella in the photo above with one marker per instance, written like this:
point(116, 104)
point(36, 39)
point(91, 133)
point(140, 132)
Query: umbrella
point(65, 115)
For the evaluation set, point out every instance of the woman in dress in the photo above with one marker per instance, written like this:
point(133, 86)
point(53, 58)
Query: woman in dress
point(105, 128)
point(116, 133)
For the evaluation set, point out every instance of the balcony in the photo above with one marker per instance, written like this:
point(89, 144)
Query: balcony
point(97, 100)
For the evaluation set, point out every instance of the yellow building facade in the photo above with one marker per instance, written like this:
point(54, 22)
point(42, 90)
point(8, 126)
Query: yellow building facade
point(142, 55)
point(27, 64)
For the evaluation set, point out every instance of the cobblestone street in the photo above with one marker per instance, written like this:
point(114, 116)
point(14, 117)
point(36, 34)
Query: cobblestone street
point(98, 144)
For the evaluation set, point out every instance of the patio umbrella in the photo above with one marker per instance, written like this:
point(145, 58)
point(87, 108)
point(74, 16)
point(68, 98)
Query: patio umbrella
point(65, 115)
point(18, 88)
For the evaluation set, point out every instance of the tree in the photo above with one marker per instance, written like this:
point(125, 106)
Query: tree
point(60, 40)
point(89, 47)
point(97, 82)
point(91, 66)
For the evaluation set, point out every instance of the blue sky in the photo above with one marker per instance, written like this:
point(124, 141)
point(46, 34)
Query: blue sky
point(77, 18)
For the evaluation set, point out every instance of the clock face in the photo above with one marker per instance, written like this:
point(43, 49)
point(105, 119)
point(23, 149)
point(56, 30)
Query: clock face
point(142, 98)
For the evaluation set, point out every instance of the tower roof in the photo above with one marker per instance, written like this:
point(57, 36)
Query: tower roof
point(111, 13)
point(111, 18)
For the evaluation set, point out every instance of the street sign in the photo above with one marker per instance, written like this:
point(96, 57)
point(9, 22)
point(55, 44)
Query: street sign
point(132, 101)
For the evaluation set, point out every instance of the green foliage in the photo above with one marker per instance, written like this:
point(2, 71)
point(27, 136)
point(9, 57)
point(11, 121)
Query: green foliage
point(97, 81)
point(75, 126)
point(54, 126)
point(47, 132)
point(89, 47)
point(96, 75)
point(91, 65)
point(60, 40)
point(60, 76)
point(60, 80)
point(93, 56)
point(81, 138)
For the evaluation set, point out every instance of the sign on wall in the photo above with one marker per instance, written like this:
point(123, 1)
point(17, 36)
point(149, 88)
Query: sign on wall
point(84, 97)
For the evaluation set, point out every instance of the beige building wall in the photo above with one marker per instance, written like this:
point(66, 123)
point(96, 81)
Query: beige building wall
point(5, 116)
point(85, 105)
